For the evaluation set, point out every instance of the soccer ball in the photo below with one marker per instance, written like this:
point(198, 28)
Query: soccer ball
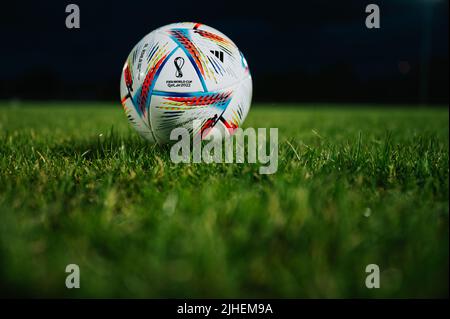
point(185, 75)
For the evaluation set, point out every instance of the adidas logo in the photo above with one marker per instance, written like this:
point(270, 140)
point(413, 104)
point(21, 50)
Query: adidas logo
point(218, 54)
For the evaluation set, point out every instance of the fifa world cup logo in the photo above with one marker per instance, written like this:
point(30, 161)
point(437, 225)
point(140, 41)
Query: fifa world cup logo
point(179, 62)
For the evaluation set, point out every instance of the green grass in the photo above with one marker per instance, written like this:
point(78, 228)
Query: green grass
point(354, 186)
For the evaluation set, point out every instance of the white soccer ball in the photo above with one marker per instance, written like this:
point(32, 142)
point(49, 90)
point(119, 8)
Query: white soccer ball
point(184, 74)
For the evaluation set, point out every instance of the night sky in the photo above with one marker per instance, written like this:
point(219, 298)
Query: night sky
point(322, 46)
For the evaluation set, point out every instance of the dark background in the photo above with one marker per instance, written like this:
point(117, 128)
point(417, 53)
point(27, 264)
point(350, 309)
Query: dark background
point(299, 51)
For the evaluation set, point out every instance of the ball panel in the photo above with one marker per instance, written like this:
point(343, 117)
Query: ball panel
point(214, 56)
point(178, 75)
point(136, 121)
point(180, 110)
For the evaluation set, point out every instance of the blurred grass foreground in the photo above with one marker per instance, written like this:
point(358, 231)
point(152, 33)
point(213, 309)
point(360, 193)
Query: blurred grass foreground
point(355, 186)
